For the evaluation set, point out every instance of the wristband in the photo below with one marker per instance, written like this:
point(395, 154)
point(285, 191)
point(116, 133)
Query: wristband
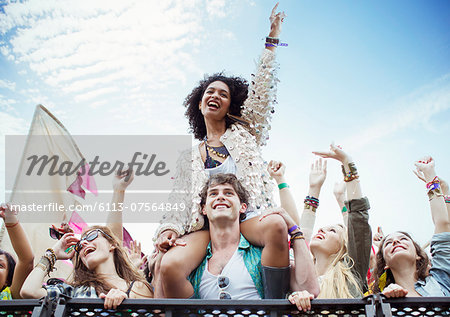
point(283, 185)
point(447, 199)
point(311, 203)
point(272, 40)
point(12, 226)
point(344, 209)
point(297, 236)
point(294, 227)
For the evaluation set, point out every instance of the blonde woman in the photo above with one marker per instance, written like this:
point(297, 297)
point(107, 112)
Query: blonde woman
point(341, 255)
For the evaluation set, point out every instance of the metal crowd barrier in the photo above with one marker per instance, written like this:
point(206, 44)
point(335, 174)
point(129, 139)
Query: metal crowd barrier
point(371, 306)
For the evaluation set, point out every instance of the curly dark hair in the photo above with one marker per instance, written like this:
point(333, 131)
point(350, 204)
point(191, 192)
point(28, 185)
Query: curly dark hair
point(11, 267)
point(421, 265)
point(238, 92)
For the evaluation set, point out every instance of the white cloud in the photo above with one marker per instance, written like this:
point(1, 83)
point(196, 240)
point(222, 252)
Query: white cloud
point(415, 109)
point(12, 125)
point(7, 84)
point(89, 50)
point(7, 104)
point(216, 8)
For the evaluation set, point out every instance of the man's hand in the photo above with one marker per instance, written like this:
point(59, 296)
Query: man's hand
point(168, 239)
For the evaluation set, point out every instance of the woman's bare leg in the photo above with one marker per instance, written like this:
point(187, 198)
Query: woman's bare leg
point(180, 261)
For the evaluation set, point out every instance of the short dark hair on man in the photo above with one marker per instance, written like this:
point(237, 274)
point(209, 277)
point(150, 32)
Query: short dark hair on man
point(220, 179)
point(238, 93)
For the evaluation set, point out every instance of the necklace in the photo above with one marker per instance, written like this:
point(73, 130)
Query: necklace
point(220, 151)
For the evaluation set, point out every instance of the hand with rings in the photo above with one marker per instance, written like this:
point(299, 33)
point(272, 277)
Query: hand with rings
point(302, 299)
point(394, 290)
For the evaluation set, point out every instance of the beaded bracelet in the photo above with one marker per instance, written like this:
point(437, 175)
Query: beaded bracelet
point(311, 203)
point(50, 254)
point(435, 183)
point(297, 236)
point(352, 174)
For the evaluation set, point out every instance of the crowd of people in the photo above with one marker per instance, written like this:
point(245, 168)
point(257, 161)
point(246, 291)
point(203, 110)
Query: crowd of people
point(233, 242)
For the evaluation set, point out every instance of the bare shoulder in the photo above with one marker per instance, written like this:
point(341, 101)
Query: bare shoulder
point(141, 290)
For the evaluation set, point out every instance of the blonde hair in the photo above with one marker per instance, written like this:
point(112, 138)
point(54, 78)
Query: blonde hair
point(339, 280)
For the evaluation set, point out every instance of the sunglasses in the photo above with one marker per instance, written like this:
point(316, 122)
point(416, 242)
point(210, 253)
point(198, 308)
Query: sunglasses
point(223, 282)
point(55, 234)
point(91, 236)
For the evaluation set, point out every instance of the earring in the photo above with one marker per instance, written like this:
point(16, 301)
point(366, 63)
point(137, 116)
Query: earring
point(386, 267)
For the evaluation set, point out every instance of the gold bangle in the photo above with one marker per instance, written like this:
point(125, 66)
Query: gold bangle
point(42, 266)
point(435, 193)
point(308, 206)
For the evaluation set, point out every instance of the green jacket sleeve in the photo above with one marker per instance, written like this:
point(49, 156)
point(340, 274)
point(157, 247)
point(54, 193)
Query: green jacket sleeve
point(359, 238)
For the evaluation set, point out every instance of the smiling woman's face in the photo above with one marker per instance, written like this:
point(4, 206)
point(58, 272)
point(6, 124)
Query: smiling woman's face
point(3, 270)
point(216, 101)
point(398, 247)
point(96, 251)
point(328, 239)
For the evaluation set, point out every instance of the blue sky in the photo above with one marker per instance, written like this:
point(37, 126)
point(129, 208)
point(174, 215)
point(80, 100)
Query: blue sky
point(371, 76)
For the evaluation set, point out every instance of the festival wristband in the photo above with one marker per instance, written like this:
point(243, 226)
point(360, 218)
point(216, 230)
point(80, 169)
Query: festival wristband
point(283, 185)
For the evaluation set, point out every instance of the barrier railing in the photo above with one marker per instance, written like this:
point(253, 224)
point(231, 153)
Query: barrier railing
point(372, 306)
point(25, 307)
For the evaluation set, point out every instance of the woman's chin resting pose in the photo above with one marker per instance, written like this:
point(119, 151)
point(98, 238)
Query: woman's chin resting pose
point(102, 269)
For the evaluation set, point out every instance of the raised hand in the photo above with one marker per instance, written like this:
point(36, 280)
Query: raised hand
point(336, 153)
point(8, 213)
point(276, 170)
point(425, 167)
point(122, 179)
point(339, 190)
point(135, 254)
point(63, 248)
point(318, 173)
point(276, 18)
point(420, 175)
point(378, 237)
